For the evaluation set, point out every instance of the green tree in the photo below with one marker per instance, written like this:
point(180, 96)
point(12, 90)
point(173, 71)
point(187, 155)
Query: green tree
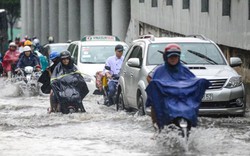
point(12, 8)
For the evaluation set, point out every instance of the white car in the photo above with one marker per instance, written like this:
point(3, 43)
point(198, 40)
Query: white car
point(91, 53)
point(202, 56)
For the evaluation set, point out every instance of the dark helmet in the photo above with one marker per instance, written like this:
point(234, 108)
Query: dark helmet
point(170, 50)
point(65, 54)
point(53, 55)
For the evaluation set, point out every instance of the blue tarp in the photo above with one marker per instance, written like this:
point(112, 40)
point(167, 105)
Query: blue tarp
point(175, 93)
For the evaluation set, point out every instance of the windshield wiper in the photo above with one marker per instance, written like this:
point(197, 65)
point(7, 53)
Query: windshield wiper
point(180, 59)
point(202, 56)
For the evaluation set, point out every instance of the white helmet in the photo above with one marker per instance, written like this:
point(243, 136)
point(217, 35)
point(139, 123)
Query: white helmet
point(26, 48)
point(12, 44)
point(35, 41)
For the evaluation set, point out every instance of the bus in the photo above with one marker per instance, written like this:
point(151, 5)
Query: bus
point(3, 32)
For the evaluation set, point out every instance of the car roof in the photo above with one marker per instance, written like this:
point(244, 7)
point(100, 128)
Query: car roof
point(51, 44)
point(102, 43)
point(174, 40)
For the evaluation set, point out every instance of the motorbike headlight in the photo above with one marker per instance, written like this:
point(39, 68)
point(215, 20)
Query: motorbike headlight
point(28, 69)
point(234, 82)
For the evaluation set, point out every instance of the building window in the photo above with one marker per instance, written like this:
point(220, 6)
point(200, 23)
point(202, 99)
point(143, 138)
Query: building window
point(169, 2)
point(141, 1)
point(154, 3)
point(204, 5)
point(185, 4)
point(226, 7)
point(248, 9)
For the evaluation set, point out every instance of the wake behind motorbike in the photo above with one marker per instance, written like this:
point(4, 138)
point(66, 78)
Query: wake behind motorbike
point(26, 80)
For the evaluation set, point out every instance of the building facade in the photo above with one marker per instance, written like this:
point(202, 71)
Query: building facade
point(72, 19)
point(226, 22)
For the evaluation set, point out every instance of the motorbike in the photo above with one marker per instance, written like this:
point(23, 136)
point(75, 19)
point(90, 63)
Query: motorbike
point(102, 85)
point(27, 81)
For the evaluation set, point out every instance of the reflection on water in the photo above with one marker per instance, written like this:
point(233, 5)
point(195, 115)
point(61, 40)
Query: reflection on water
point(27, 129)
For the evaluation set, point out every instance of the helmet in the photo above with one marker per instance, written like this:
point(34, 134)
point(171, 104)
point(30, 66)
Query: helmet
point(53, 55)
point(26, 48)
point(36, 41)
point(51, 39)
point(170, 50)
point(27, 43)
point(23, 40)
point(12, 44)
point(65, 54)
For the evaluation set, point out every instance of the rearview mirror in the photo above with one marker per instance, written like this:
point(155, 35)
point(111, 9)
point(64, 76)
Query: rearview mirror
point(235, 61)
point(134, 62)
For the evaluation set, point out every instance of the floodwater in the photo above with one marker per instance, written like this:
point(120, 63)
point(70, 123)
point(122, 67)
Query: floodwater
point(27, 129)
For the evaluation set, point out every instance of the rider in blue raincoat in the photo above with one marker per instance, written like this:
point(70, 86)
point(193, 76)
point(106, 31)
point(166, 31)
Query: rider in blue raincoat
point(174, 91)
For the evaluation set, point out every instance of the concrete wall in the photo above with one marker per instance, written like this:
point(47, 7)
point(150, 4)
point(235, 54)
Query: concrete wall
point(233, 31)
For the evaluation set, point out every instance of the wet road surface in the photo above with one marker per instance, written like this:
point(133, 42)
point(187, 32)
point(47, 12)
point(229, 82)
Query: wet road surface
point(27, 129)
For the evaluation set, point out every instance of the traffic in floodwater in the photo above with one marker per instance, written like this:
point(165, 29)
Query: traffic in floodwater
point(27, 129)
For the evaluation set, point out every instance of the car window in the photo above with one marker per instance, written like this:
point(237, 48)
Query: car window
point(97, 54)
point(75, 55)
point(207, 49)
point(136, 53)
point(58, 48)
point(71, 48)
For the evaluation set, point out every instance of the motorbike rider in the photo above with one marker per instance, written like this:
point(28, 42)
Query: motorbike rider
point(174, 91)
point(27, 59)
point(10, 59)
point(68, 85)
point(45, 79)
point(114, 63)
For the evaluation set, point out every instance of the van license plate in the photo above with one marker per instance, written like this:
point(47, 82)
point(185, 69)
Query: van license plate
point(207, 97)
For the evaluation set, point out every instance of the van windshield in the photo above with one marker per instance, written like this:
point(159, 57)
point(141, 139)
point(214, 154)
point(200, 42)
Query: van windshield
point(207, 50)
point(97, 54)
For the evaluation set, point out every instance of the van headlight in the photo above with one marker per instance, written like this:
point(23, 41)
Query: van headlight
point(234, 82)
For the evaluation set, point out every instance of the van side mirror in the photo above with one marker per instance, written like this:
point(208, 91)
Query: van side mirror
point(235, 61)
point(134, 62)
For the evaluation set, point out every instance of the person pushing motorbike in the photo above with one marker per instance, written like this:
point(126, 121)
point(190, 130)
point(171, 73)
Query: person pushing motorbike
point(173, 91)
point(68, 85)
point(114, 64)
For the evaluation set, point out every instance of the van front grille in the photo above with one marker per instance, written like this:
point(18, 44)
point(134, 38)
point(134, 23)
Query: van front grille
point(217, 83)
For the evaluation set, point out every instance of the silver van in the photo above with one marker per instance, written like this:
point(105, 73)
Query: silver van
point(202, 56)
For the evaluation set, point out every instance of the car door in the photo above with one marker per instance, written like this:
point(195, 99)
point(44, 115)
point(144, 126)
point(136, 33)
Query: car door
point(132, 76)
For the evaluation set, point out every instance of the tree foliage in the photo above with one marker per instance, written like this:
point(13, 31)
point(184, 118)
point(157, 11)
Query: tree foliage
point(12, 8)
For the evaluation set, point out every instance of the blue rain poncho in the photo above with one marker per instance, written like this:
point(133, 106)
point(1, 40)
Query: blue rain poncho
point(175, 92)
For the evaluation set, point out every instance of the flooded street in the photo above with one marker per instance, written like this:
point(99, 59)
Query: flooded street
point(27, 129)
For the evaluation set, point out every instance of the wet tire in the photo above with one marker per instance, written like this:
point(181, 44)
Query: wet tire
point(140, 105)
point(120, 102)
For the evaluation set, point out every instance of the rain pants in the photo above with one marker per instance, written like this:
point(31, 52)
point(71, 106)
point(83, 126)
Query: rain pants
point(175, 92)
